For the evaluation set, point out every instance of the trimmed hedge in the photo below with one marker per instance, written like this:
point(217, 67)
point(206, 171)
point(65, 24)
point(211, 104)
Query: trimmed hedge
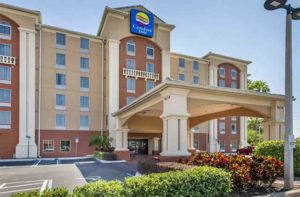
point(199, 181)
point(276, 149)
point(56, 192)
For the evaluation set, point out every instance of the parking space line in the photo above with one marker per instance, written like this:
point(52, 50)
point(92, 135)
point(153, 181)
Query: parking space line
point(20, 190)
point(129, 174)
point(44, 186)
point(25, 182)
point(1, 186)
point(36, 163)
point(37, 183)
point(50, 184)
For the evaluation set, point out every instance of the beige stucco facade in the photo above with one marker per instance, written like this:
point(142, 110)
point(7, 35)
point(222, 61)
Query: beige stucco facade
point(163, 117)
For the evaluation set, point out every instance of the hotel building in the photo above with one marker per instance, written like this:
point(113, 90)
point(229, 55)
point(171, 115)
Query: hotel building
point(59, 87)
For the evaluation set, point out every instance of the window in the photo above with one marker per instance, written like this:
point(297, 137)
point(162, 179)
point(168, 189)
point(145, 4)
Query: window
point(84, 44)
point(65, 145)
point(60, 40)
point(5, 97)
point(233, 146)
point(48, 146)
point(5, 74)
point(5, 119)
point(150, 67)
point(150, 52)
point(84, 64)
point(233, 118)
point(60, 121)
point(131, 64)
point(130, 99)
point(181, 77)
point(84, 83)
point(196, 129)
point(222, 72)
point(84, 103)
point(60, 60)
point(60, 101)
point(233, 128)
point(222, 146)
point(60, 81)
point(181, 63)
point(84, 122)
point(222, 127)
point(5, 49)
point(233, 84)
point(233, 74)
point(130, 48)
point(196, 144)
point(195, 80)
point(149, 85)
point(222, 83)
point(5, 30)
point(195, 66)
point(131, 85)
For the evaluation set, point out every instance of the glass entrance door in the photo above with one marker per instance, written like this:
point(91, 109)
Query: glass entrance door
point(138, 146)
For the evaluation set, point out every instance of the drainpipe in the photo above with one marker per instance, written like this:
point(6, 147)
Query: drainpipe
point(102, 88)
point(40, 92)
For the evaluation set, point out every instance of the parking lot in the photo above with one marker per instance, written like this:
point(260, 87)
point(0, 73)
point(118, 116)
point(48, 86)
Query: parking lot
point(39, 175)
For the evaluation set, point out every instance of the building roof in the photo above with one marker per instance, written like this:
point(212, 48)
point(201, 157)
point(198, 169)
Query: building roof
point(124, 11)
point(216, 55)
point(34, 12)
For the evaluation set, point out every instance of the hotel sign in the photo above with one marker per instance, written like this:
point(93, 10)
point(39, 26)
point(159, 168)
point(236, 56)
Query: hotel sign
point(141, 23)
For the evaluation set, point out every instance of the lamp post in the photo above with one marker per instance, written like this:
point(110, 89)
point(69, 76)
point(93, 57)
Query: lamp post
point(292, 13)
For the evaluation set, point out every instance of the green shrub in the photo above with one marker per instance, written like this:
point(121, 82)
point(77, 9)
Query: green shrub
point(109, 156)
point(100, 188)
point(150, 165)
point(200, 181)
point(56, 192)
point(243, 169)
point(276, 149)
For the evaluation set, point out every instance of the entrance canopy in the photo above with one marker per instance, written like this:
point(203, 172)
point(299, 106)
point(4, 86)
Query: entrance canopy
point(174, 107)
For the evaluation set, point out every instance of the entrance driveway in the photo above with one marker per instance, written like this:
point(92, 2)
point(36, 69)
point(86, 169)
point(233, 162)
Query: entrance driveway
point(42, 174)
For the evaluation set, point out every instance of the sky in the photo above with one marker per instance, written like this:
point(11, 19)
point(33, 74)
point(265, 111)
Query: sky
point(242, 29)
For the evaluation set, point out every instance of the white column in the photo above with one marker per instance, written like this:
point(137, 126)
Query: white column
point(175, 120)
point(191, 140)
point(121, 139)
point(113, 90)
point(213, 136)
point(166, 65)
point(243, 131)
point(26, 146)
point(156, 144)
point(243, 81)
point(213, 75)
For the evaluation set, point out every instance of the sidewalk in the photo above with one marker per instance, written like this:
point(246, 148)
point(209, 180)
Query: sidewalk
point(292, 193)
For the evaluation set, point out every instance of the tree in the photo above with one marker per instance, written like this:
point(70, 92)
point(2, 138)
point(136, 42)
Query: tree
point(255, 127)
point(101, 142)
point(254, 137)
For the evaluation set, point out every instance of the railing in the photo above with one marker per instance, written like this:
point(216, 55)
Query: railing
point(140, 74)
point(7, 60)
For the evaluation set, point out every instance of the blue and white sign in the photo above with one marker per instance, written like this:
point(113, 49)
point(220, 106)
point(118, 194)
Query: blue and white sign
point(141, 23)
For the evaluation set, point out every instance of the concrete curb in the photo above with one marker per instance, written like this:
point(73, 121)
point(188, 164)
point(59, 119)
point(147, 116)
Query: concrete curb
point(111, 162)
point(44, 159)
point(292, 193)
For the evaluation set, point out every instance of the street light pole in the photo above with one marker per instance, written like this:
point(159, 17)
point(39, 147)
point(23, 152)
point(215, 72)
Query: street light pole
point(288, 150)
point(292, 13)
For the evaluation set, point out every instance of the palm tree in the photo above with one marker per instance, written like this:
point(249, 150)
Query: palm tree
point(101, 142)
point(259, 86)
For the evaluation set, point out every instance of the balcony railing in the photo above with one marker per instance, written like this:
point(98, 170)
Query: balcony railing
point(140, 74)
point(7, 60)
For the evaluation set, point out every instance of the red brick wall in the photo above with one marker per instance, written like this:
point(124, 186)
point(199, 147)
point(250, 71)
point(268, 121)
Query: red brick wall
point(140, 61)
point(202, 138)
point(9, 137)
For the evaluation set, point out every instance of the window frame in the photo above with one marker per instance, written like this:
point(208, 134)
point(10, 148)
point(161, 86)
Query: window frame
point(10, 49)
point(84, 127)
point(220, 83)
point(181, 74)
point(60, 107)
point(60, 127)
point(234, 70)
point(128, 98)
point(198, 65)
point(59, 86)
point(147, 67)
point(84, 108)
point(61, 46)
point(60, 146)
point(181, 63)
point(151, 57)
point(4, 81)
point(127, 65)
point(234, 87)
point(3, 35)
point(194, 80)
point(130, 42)
point(6, 104)
point(60, 66)
point(198, 146)
point(127, 85)
point(220, 74)
point(52, 150)
point(222, 150)
point(221, 131)
point(147, 87)
point(84, 50)
point(6, 126)
point(235, 124)
point(231, 145)
point(82, 69)
point(84, 89)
